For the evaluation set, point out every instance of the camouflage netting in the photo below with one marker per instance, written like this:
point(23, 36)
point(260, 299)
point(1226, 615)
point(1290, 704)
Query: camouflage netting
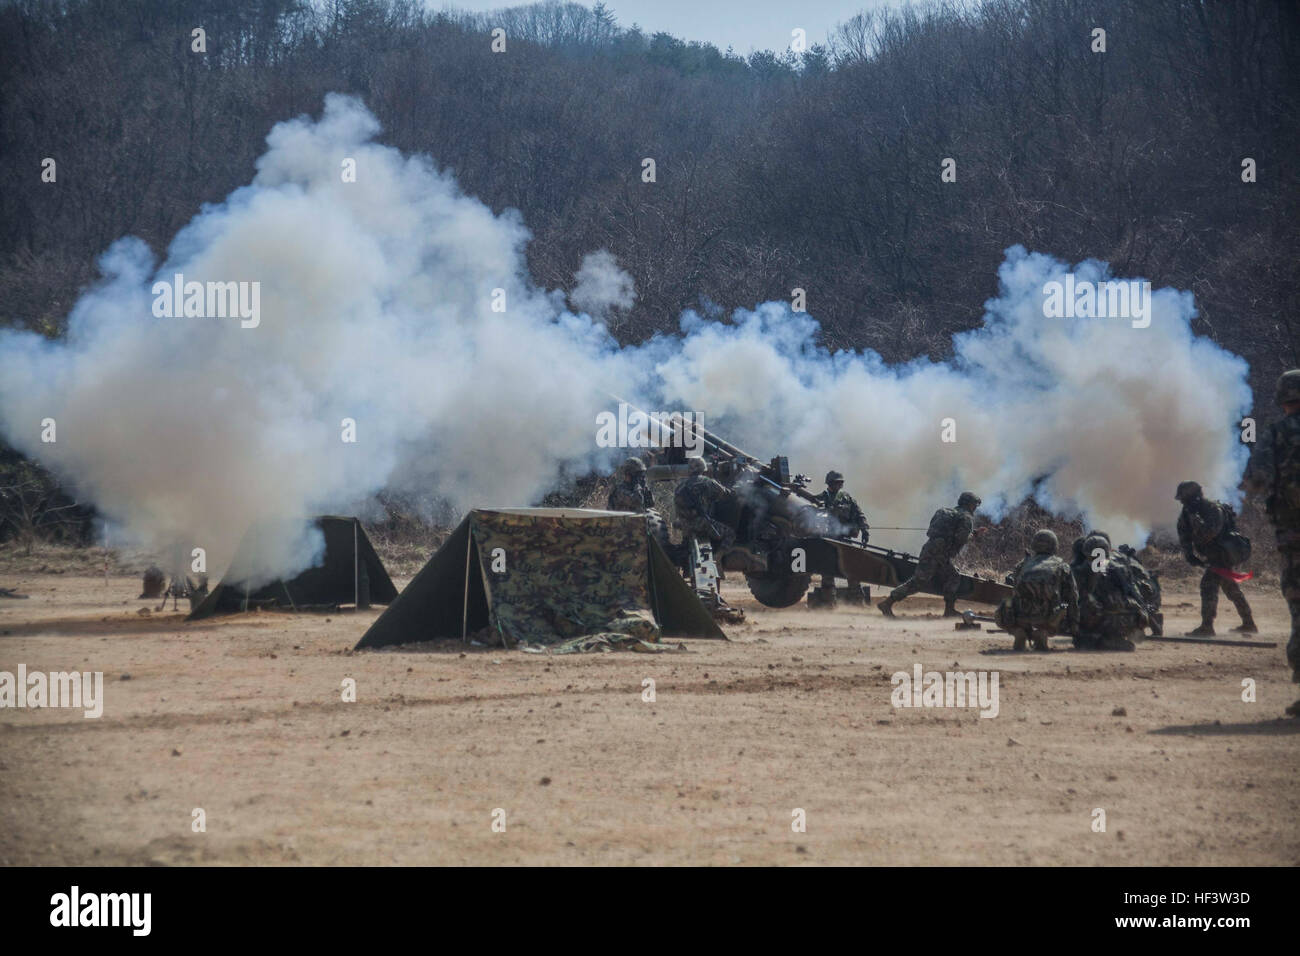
point(564, 579)
point(567, 579)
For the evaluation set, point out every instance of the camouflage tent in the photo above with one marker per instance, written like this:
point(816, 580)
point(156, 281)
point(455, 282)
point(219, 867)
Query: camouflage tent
point(347, 572)
point(546, 576)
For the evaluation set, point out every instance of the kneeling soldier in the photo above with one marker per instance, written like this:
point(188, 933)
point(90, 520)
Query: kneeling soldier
point(1045, 601)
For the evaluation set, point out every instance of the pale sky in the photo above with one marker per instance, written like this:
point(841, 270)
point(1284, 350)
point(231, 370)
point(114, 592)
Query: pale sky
point(745, 25)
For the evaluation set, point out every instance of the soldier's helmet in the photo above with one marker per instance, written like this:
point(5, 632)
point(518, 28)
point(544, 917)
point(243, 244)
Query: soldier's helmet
point(1044, 542)
point(1095, 541)
point(833, 476)
point(969, 500)
point(697, 466)
point(1187, 491)
point(633, 467)
point(1100, 534)
point(1288, 387)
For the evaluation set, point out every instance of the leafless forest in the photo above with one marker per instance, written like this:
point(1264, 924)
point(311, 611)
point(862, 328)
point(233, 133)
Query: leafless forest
point(818, 170)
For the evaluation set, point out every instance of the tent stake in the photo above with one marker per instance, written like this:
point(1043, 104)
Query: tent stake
point(464, 604)
point(288, 595)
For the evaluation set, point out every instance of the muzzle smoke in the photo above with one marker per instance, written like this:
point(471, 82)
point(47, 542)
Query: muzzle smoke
point(378, 304)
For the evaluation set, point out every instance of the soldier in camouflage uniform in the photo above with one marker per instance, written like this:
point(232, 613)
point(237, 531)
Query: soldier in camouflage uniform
point(949, 530)
point(1274, 474)
point(844, 509)
point(1146, 583)
point(630, 492)
point(1077, 558)
point(694, 500)
point(852, 527)
point(1045, 601)
point(1208, 536)
point(1110, 608)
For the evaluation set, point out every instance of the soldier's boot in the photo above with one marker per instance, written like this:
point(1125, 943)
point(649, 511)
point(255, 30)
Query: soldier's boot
point(1294, 709)
point(1020, 639)
point(1039, 640)
point(950, 607)
point(887, 607)
point(1113, 642)
point(1157, 623)
point(1206, 628)
point(1247, 625)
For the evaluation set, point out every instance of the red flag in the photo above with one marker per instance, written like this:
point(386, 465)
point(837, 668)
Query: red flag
point(1231, 575)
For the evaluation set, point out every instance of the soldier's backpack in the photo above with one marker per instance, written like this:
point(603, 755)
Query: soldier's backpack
point(1236, 544)
point(1146, 583)
point(945, 524)
point(1038, 589)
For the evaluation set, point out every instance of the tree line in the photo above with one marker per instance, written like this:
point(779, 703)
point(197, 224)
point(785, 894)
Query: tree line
point(817, 169)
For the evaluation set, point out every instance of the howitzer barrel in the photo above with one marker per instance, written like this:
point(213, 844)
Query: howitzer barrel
point(774, 515)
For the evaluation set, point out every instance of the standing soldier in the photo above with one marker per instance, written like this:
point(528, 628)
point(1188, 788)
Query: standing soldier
point(1208, 535)
point(694, 500)
point(630, 492)
point(1274, 472)
point(949, 530)
point(844, 509)
point(849, 524)
point(1045, 601)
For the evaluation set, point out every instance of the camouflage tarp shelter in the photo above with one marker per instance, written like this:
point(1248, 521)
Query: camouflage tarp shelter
point(545, 576)
point(347, 568)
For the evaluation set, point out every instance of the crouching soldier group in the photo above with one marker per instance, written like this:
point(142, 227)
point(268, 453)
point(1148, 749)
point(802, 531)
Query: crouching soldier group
point(1111, 608)
point(1095, 598)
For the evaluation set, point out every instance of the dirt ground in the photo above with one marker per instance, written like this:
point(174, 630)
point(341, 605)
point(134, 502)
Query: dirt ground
point(243, 717)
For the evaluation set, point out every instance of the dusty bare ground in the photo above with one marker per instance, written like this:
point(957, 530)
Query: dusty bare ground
point(243, 717)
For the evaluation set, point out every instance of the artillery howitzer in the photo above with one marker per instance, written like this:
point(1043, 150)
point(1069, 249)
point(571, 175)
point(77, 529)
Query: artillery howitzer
point(784, 537)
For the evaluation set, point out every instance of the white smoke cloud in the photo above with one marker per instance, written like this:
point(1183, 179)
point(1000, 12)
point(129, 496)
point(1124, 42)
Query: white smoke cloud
point(1091, 417)
point(602, 286)
point(377, 305)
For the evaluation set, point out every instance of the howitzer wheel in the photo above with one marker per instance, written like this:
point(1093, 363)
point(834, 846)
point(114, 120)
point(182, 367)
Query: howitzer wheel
point(778, 590)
